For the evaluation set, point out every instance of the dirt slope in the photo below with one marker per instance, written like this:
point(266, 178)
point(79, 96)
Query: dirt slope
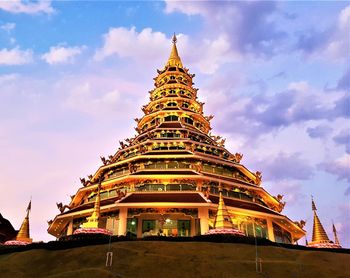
point(174, 259)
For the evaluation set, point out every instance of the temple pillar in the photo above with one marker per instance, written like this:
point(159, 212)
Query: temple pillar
point(132, 187)
point(123, 216)
point(270, 229)
point(70, 228)
point(199, 185)
point(203, 215)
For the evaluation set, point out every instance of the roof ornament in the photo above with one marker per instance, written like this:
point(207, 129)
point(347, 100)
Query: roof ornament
point(174, 58)
point(174, 39)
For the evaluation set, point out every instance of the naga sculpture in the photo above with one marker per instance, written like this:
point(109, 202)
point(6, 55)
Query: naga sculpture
point(300, 223)
point(62, 207)
point(84, 182)
point(238, 157)
point(258, 177)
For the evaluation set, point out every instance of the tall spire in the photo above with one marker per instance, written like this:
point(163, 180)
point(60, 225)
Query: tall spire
point(336, 240)
point(23, 233)
point(174, 58)
point(92, 221)
point(222, 218)
point(319, 235)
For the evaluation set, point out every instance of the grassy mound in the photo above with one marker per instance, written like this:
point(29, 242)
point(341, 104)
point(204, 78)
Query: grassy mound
point(174, 259)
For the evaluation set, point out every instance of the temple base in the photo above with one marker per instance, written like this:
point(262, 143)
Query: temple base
point(323, 245)
point(226, 231)
point(92, 231)
point(17, 242)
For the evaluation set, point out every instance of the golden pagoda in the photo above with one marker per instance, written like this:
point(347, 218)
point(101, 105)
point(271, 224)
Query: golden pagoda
point(167, 178)
point(23, 235)
point(319, 236)
point(223, 222)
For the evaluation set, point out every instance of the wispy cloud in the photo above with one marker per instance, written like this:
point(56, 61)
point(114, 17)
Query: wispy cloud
point(247, 25)
point(332, 42)
point(343, 138)
point(61, 54)
point(146, 45)
point(319, 131)
point(15, 56)
point(27, 7)
point(340, 167)
point(8, 27)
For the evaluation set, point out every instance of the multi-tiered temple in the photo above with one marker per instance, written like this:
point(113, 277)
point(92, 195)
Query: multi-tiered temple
point(166, 180)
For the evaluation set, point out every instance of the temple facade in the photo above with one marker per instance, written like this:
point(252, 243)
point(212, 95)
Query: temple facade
point(167, 179)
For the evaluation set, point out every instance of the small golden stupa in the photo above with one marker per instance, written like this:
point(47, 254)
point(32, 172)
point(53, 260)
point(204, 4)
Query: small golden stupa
point(319, 236)
point(23, 235)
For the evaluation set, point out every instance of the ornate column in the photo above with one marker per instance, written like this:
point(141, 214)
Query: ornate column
point(203, 214)
point(123, 216)
point(270, 229)
point(70, 228)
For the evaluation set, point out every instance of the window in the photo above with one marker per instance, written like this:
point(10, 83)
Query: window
point(172, 104)
point(188, 121)
point(185, 105)
point(171, 118)
point(172, 92)
point(281, 235)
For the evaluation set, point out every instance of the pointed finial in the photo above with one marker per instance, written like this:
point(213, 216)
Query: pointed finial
point(313, 203)
point(29, 206)
point(174, 58)
point(336, 239)
point(174, 40)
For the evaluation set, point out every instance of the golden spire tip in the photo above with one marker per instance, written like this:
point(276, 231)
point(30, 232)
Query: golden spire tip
point(174, 39)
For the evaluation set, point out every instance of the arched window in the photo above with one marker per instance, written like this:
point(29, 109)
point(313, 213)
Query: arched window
point(182, 92)
point(172, 92)
point(172, 77)
point(188, 121)
point(154, 121)
point(185, 105)
point(171, 118)
point(172, 104)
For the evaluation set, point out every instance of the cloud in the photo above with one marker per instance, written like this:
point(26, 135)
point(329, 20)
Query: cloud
point(286, 166)
point(344, 81)
point(151, 47)
point(343, 138)
point(248, 25)
point(27, 7)
point(61, 55)
point(82, 99)
point(15, 56)
point(319, 131)
point(8, 78)
point(8, 27)
point(340, 167)
point(265, 111)
point(127, 43)
point(332, 42)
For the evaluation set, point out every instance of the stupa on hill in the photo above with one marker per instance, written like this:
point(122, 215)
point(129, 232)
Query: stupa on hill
point(319, 236)
point(22, 237)
point(166, 180)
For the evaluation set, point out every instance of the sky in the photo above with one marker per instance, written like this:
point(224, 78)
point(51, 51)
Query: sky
point(276, 76)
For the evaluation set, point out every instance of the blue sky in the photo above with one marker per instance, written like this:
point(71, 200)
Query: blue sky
point(73, 76)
